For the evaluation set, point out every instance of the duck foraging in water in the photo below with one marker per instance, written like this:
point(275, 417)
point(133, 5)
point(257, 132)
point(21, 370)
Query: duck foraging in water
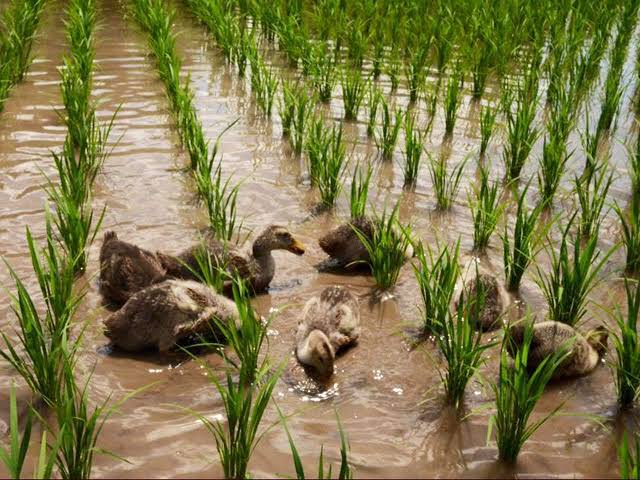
point(329, 323)
point(257, 269)
point(126, 269)
point(549, 337)
point(163, 314)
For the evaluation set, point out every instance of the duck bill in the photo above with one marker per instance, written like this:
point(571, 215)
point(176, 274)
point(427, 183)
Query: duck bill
point(296, 247)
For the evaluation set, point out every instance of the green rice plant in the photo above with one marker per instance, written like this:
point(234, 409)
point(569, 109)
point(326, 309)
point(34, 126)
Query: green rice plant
point(332, 168)
point(452, 101)
point(627, 363)
point(387, 248)
point(357, 40)
point(631, 234)
point(629, 457)
point(431, 101)
point(460, 342)
point(353, 92)
point(303, 111)
point(393, 67)
point(387, 135)
point(14, 456)
point(374, 99)
point(613, 93)
point(360, 191)
point(634, 169)
point(486, 210)
point(317, 148)
point(207, 270)
point(20, 19)
point(415, 70)
point(571, 279)
point(552, 166)
point(413, 146)
point(521, 133)
point(264, 84)
point(42, 338)
point(445, 184)
point(591, 193)
point(322, 71)
point(437, 278)
point(517, 392)
point(525, 239)
point(246, 398)
point(323, 473)
point(287, 108)
point(487, 122)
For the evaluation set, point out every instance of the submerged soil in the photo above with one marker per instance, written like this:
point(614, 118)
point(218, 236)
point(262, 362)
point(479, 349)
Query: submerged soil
point(388, 395)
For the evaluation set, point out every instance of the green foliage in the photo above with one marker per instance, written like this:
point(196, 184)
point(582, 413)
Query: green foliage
point(486, 210)
point(354, 88)
point(629, 458)
point(413, 146)
point(360, 191)
point(627, 347)
point(387, 135)
point(445, 184)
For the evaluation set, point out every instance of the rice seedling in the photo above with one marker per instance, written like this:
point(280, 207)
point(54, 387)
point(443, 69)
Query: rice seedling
point(387, 248)
point(437, 280)
point(487, 122)
point(452, 102)
point(591, 193)
point(445, 184)
point(413, 146)
point(415, 70)
point(353, 92)
point(42, 338)
point(357, 42)
point(552, 166)
point(14, 455)
point(629, 457)
point(611, 102)
point(360, 191)
point(332, 168)
point(627, 363)
point(207, 270)
point(521, 133)
point(264, 84)
point(517, 392)
point(303, 111)
point(287, 108)
point(323, 72)
point(460, 342)
point(571, 280)
point(374, 99)
point(345, 472)
point(393, 68)
point(634, 170)
point(486, 210)
point(20, 20)
point(317, 148)
point(525, 239)
point(387, 135)
point(630, 224)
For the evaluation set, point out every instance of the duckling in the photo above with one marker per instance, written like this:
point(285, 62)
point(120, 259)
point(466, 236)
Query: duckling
point(162, 314)
point(125, 269)
point(476, 283)
point(549, 336)
point(257, 269)
point(344, 247)
point(329, 323)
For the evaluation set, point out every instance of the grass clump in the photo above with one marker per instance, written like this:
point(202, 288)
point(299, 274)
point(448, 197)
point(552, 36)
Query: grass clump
point(332, 168)
point(517, 392)
point(525, 238)
point(485, 210)
point(360, 191)
point(487, 123)
point(571, 278)
point(592, 195)
point(452, 102)
point(354, 88)
point(629, 457)
point(630, 223)
point(445, 184)
point(413, 146)
point(521, 133)
point(437, 277)
point(387, 135)
point(627, 347)
point(373, 101)
point(387, 248)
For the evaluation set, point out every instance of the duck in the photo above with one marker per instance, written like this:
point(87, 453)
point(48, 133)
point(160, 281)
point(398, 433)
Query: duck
point(344, 246)
point(257, 268)
point(126, 269)
point(329, 324)
point(166, 313)
point(476, 281)
point(585, 351)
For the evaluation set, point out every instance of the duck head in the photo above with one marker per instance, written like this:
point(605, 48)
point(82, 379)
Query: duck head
point(276, 237)
point(316, 351)
point(597, 338)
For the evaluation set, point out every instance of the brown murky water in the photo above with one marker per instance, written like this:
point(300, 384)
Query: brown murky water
point(389, 398)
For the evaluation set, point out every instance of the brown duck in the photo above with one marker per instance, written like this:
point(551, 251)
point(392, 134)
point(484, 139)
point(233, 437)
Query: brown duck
point(549, 336)
point(166, 313)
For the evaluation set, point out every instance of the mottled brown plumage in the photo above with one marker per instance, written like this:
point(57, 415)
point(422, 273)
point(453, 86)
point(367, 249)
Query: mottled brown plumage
point(488, 299)
point(344, 246)
point(585, 352)
point(257, 268)
point(126, 269)
point(163, 314)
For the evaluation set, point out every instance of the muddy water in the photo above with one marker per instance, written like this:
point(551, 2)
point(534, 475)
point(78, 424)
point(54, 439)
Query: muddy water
point(388, 397)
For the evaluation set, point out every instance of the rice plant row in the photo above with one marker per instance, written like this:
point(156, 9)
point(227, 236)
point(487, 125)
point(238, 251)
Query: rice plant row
point(19, 23)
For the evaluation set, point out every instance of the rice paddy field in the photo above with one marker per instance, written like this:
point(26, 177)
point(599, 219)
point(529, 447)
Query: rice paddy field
point(502, 130)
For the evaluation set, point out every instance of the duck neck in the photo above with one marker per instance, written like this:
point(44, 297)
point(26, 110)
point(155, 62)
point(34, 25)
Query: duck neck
point(264, 262)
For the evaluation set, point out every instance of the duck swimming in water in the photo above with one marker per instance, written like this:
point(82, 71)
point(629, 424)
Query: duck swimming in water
point(163, 314)
point(549, 337)
point(329, 323)
point(126, 269)
point(256, 268)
